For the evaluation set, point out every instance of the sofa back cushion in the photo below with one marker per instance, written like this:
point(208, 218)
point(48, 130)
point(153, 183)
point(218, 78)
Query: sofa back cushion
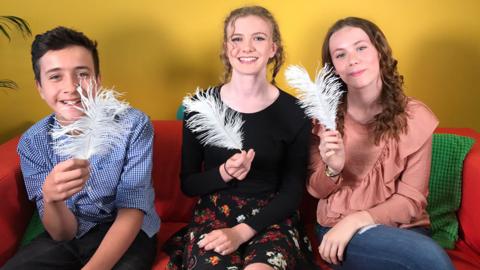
point(171, 204)
point(15, 208)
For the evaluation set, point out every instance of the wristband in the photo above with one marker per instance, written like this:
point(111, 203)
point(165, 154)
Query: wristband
point(225, 168)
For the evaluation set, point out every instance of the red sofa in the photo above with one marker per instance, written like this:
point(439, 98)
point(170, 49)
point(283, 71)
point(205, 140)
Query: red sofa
point(174, 208)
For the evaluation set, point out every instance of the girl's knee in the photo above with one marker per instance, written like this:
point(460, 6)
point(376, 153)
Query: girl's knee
point(440, 258)
point(432, 255)
point(258, 266)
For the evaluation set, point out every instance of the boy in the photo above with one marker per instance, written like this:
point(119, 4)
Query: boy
point(98, 214)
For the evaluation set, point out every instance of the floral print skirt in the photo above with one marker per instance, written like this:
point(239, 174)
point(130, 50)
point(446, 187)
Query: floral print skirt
point(282, 245)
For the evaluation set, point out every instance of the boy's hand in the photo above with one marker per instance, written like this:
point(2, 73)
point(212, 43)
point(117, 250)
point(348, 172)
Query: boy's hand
point(66, 178)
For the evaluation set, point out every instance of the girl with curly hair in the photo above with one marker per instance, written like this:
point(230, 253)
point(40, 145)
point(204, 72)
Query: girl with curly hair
point(371, 175)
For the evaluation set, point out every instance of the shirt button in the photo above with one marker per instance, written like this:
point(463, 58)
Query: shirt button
point(89, 188)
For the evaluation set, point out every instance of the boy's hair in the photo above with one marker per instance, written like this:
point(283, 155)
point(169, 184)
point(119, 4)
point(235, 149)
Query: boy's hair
point(264, 14)
point(392, 121)
point(60, 38)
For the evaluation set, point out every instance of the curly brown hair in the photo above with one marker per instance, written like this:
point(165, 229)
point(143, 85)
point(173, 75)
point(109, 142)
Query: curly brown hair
point(392, 121)
point(260, 12)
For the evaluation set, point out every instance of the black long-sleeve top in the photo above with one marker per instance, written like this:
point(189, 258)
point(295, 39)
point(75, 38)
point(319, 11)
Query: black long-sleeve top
point(279, 134)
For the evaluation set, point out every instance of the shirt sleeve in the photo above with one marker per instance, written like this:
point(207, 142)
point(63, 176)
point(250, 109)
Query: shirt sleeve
point(410, 200)
point(290, 192)
point(195, 181)
point(35, 169)
point(135, 180)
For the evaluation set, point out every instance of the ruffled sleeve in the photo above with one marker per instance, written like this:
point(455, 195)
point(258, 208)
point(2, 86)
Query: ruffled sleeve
point(410, 167)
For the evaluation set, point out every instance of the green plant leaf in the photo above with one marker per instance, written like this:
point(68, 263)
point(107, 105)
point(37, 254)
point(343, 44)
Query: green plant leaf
point(19, 24)
point(2, 29)
point(8, 84)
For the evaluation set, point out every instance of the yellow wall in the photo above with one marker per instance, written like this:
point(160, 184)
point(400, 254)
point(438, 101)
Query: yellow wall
point(156, 51)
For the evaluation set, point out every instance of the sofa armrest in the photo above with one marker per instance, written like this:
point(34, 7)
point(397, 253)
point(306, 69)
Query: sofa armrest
point(468, 215)
point(15, 208)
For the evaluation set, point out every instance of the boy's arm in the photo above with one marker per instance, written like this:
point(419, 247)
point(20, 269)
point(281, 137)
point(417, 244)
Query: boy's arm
point(66, 179)
point(118, 239)
point(59, 221)
point(134, 198)
point(49, 186)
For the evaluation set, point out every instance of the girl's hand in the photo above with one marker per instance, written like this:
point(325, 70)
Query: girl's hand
point(335, 241)
point(237, 166)
point(331, 148)
point(226, 241)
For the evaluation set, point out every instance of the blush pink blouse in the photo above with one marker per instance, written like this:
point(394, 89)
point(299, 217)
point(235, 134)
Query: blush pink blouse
point(389, 180)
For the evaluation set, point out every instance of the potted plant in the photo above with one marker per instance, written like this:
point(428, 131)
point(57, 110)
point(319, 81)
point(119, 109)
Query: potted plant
point(7, 23)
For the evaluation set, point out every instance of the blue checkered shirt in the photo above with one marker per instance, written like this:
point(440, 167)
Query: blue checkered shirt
point(120, 179)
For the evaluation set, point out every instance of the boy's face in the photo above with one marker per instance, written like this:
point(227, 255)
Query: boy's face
point(61, 71)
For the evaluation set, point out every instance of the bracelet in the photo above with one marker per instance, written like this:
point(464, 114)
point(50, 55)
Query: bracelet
point(330, 173)
point(225, 168)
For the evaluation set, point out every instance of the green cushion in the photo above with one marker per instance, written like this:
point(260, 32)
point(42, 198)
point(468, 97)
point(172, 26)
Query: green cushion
point(448, 153)
point(180, 110)
point(34, 228)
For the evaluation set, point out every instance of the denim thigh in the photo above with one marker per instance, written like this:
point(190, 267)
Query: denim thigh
point(384, 247)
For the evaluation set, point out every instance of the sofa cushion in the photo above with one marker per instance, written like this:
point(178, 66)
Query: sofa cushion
point(448, 153)
point(464, 257)
point(171, 204)
point(468, 215)
point(15, 208)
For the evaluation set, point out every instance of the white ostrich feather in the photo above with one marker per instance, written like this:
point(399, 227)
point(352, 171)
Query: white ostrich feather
point(98, 131)
point(215, 123)
point(320, 98)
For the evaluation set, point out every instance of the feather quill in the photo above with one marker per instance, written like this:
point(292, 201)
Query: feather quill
point(98, 131)
point(319, 98)
point(215, 123)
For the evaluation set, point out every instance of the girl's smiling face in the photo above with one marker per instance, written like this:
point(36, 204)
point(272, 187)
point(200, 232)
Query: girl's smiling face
point(355, 58)
point(250, 45)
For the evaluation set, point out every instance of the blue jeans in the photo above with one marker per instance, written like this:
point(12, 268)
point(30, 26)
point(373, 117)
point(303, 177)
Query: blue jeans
point(383, 247)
